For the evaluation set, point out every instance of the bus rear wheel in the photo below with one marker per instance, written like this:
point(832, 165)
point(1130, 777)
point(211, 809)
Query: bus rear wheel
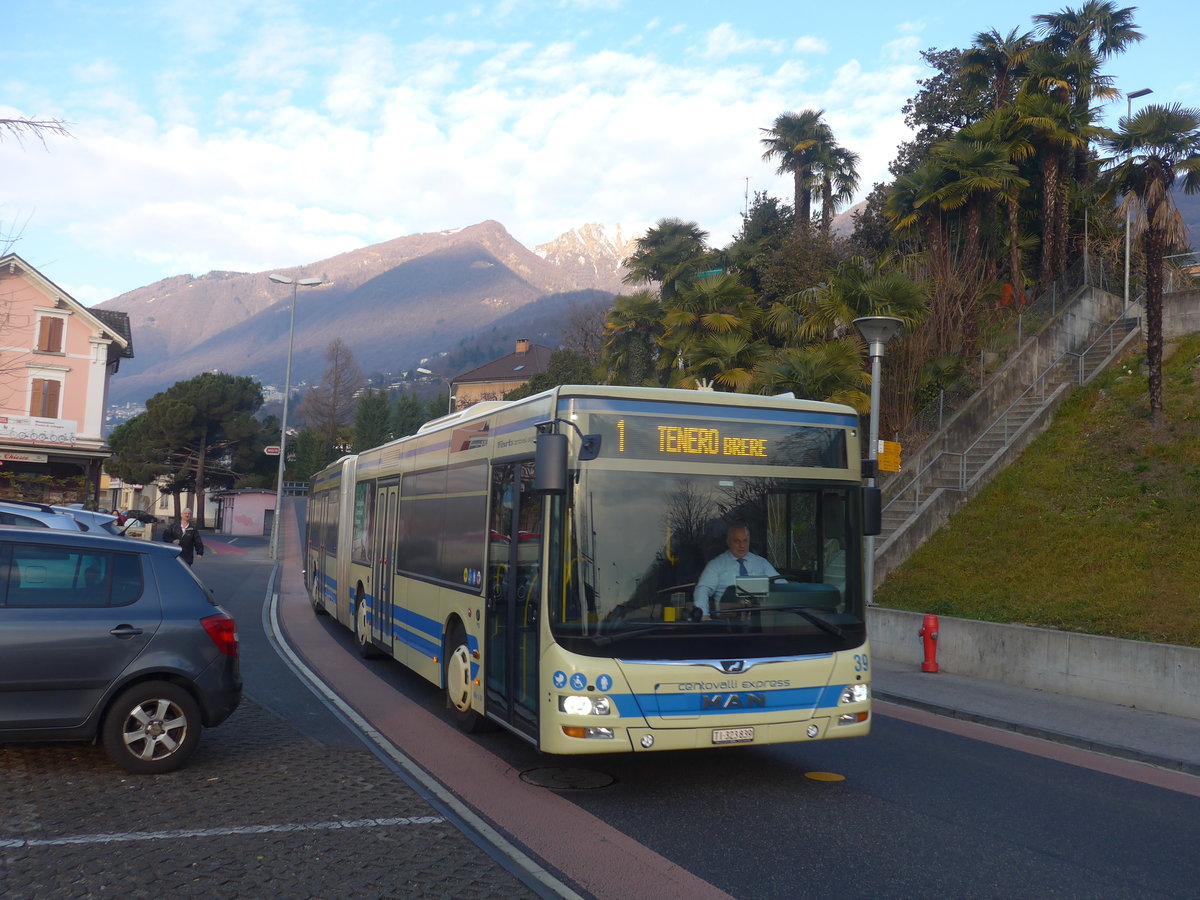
point(456, 675)
point(362, 630)
point(318, 602)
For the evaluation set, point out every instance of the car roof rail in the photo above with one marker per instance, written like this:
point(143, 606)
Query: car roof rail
point(29, 504)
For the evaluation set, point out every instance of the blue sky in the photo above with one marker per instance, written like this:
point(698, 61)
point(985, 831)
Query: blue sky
point(251, 135)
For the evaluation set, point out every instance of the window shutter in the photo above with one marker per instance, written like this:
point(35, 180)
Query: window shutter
point(50, 335)
point(44, 402)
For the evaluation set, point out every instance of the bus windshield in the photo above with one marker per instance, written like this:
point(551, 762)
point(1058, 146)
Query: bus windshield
point(634, 583)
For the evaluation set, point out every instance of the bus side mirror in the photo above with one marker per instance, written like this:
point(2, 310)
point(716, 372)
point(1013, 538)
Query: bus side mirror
point(589, 447)
point(872, 510)
point(550, 464)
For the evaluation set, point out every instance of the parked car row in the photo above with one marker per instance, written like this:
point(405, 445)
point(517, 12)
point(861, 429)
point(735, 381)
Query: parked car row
point(109, 639)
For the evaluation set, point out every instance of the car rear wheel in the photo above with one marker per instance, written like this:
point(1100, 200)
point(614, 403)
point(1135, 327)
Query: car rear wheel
point(151, 728)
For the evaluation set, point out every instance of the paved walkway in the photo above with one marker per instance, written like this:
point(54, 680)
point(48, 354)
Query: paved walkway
point(1170, 742)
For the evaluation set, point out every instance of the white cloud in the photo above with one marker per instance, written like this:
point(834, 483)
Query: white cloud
point(810, 45)
point(903, 48)
point(322, 145)
point(589, 5)
point(725, 41)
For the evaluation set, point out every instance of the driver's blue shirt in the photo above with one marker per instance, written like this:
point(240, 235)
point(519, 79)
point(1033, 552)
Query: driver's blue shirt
point(722, 571)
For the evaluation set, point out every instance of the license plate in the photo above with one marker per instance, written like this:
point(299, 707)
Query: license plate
point(732, 735)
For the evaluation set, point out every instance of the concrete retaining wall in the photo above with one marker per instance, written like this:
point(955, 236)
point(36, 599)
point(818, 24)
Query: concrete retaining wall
point(1159, 677)
point(1181, 314)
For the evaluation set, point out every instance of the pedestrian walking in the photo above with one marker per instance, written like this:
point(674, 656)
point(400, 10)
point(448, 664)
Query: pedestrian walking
point(186, 535)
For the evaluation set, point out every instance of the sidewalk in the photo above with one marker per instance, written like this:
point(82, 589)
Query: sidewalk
point(1171, 742)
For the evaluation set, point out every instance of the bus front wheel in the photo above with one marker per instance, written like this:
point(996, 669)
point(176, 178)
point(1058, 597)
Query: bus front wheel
point(456, 675)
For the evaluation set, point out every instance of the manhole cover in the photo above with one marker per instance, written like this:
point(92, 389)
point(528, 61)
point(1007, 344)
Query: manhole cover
point(567, 779)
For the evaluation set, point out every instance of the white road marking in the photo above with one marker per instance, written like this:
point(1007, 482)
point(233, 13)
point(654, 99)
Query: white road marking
point(118, 837)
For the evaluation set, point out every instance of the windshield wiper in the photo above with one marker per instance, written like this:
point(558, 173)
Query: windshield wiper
point(605, 639)
point(802, 611)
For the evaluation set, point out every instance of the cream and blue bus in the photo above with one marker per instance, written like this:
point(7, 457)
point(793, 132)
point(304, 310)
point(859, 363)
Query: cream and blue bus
point(538, 560)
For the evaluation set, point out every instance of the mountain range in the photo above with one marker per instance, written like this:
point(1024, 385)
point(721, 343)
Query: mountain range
point(465, 294)
point(447, 300)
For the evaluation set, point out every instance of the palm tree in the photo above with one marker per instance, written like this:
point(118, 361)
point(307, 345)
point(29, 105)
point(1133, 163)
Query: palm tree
point(911, 209)
point(797, 140)
point(1098, 26)
point(860, 287)
point(980, 172)
point(671, 251)
point(1004, 128)
point(830, 371)
point(630, 348)
point(711, 318)
point(997, 62)
point(1075, 43)
point(727, 361)
point(837, 168)
point(1056, 128)
point(1151, 150)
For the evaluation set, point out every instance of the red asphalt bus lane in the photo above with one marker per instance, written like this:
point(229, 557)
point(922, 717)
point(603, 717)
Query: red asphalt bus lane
point(596, 857)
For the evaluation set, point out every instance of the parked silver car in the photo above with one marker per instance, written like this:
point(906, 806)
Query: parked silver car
point(90, 519)
point(108, 639)
point(27, 514)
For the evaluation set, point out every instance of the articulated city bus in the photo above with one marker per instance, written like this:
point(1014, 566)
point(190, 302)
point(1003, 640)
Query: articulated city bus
point(545, 561)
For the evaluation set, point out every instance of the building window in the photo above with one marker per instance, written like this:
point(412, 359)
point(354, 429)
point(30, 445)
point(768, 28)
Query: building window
point(43, 404)
point(50, 334)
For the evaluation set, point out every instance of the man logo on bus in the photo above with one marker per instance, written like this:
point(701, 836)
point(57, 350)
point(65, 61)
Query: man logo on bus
point(734, 701)
point(733, 666)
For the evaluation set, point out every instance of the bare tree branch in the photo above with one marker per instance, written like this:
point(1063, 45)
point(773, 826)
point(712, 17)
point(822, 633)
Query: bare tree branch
point(39, 128)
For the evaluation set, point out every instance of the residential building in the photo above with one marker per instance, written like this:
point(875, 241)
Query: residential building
point(56, 359)
point(250, 511)
point(493, 380)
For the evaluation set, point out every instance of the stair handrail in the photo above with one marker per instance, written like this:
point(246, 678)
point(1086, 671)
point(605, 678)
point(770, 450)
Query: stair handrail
point(1038, 382)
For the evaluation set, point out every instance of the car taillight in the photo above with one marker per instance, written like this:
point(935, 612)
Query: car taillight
point(223, 631)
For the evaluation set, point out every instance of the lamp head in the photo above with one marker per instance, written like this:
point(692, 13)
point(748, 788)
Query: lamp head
point(280, 279)
point(1133, 95)
point(878, 330)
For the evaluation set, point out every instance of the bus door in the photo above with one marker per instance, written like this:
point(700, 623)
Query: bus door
point(324, 518)
point(383, 564)
point(513, 592)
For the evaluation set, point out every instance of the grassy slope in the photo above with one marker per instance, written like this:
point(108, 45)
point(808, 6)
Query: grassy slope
point(1096, 528)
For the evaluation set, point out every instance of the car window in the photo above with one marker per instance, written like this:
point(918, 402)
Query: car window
point(72, 577)
point(8, 518)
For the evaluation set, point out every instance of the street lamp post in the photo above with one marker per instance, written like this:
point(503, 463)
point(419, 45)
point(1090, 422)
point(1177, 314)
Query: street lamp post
point(1129, 98)
point(876, 331)
point(276, 528)
point(449, 390)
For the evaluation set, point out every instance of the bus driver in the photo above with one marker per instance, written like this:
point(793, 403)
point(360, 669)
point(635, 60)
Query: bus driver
point(722, 570)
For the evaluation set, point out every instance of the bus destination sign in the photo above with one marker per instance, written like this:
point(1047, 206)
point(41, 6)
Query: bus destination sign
point(745, 443)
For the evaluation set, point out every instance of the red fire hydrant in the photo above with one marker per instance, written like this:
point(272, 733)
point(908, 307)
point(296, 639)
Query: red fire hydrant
point(929, 635)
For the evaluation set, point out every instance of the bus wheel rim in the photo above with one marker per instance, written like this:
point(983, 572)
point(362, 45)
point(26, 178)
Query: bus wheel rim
point(458, 679)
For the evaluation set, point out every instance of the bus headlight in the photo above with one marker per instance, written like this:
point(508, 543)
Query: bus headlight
point(855, 693)
point(580, 705)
